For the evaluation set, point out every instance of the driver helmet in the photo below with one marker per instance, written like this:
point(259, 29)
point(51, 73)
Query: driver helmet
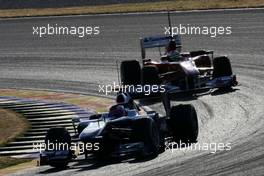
point(171, 46)
point(117, 111)
point(122, 98)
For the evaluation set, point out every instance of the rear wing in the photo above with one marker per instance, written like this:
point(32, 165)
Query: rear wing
point(158, 42)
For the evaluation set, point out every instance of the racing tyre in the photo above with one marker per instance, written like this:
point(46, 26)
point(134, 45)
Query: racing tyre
point(184, 123)
point(222, 67)
point(105, 149)
point(150, 76)
point(147, 132)
point(56, 136)
point(203, 61)
point(197, 53)
point(130, 72)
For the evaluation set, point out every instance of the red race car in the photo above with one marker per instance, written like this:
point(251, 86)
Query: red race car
point(175, 71)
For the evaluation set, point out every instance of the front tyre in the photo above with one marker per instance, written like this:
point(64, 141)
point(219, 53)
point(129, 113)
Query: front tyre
point(184, 123)
point(222, 67)
point(59, 136)
point(147, 131)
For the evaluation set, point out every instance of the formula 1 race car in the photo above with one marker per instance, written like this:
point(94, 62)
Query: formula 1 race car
point(176, 71)
point(124, 130)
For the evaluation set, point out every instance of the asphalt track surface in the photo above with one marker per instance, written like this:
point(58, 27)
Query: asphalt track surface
point(68, 63)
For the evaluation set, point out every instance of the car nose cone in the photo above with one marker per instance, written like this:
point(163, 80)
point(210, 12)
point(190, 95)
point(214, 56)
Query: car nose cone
point(92, 130)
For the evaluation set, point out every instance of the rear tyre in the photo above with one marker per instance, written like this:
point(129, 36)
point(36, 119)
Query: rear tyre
point(58, 136)
point(150, 76)
point(130, 72)
point(197, 53)
point(184, 123)
point(203, 61)
point(222, 67)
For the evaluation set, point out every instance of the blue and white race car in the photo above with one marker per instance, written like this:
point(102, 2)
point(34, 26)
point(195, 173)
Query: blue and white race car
point(125, 130)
